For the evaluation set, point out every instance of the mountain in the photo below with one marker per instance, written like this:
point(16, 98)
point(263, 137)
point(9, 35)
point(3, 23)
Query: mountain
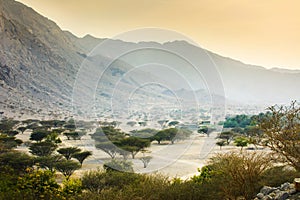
point(34, 53)
point(47, 71)
point(275, 69)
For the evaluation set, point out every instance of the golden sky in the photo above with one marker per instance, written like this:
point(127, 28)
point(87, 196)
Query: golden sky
point(261, 32)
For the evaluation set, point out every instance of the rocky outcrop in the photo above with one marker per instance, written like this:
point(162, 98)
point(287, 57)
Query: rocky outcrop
point(286, 191)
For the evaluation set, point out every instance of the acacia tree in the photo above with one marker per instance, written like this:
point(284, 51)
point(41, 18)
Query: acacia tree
point(75, 135)
point(7, 142)
point(160, 136)
point(203, 129)
point(221, 143)
point(12, 133)
point(67, 167)
point(33, 126)
point(173, 123)
point(241, 142)
point(228, 135)
point(166, 134)
point(22, 129)
point(183, 134)
point(7, 124)
point(81, 156)
point(162, 122)
point(145, 159)
point(281, 128)
point(49, 162)
point(133, 145)
point(109, 148)
point(43, 148)
point(39, 135)
point(131, 123)
point(142, 123)
point(143, 133)
point(68, 152)
point(106, 139)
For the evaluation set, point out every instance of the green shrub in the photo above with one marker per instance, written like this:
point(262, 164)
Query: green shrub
point(275, 176)
point(128, 186)
point(98, 180)
point(38, 184)
point(233, 175)
point(72, 188)
point(118, 165)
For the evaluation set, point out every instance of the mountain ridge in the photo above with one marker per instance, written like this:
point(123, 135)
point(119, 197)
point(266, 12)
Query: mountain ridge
point(39, 64)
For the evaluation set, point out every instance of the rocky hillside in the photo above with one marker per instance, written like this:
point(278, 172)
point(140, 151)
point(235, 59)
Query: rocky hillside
point(35, 60)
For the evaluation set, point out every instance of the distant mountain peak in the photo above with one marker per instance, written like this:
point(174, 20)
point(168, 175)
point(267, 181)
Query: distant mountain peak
point(89, 36)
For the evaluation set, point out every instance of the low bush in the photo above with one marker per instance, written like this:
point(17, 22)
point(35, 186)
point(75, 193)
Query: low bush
point(277, 175)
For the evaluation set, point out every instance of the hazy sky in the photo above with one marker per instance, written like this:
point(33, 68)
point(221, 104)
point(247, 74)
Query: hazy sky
point(262, 32)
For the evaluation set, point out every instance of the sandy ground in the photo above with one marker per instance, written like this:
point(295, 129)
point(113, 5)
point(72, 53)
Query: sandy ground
point(181, 159)
point(176, 160)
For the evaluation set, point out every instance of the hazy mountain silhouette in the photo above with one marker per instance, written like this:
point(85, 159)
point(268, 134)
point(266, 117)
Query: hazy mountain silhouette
point(40, 63)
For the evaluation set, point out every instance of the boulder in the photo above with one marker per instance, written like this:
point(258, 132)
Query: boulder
point(266, 190)
point(297, 184)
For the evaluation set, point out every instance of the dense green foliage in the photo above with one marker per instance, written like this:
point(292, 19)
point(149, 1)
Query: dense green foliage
point(237, 121)
point(243, 130)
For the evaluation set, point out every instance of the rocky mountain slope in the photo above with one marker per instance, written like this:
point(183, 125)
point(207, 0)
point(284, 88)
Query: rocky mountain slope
point(34, 52)
point(40, 68)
